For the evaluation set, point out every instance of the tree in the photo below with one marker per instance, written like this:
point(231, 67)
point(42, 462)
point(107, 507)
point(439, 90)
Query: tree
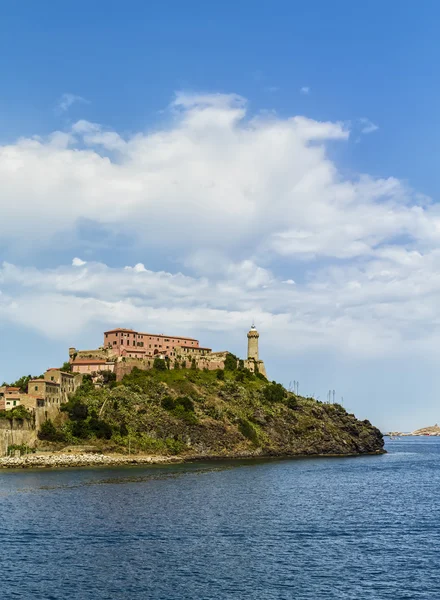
point(230, 362)
point(159, 364)
point(220, 374)
point(67, 367)
point(49, 432)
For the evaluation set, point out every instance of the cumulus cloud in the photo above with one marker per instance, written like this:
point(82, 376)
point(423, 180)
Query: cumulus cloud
point(305, 90)
point(77, 262)
point(214, 168)
point(383, 307)
point(233, 198)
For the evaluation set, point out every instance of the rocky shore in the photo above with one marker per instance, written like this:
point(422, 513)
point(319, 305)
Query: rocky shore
point(81, 460)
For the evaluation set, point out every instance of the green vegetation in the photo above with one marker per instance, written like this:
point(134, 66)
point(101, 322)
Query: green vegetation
point(21, 448)
point(19, 413)
point(195, 412)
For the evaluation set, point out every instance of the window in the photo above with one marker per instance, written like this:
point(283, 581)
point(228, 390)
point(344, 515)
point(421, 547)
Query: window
point(36, 388)
point(51, 378)
point(15, 402)
point(106, 335)
point(114, 343)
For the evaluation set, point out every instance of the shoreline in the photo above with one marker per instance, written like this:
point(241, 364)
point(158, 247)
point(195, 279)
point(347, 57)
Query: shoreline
point(78, 460)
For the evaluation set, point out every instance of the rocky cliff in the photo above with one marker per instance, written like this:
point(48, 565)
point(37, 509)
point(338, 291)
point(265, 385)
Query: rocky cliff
point(200, 414)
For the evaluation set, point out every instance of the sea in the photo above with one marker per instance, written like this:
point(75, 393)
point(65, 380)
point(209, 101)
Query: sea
point(345, 528)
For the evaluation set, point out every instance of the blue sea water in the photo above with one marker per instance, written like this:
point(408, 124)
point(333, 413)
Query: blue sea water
point(344, 528)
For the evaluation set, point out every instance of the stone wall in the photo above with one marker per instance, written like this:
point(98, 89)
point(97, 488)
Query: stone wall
point(16, 432)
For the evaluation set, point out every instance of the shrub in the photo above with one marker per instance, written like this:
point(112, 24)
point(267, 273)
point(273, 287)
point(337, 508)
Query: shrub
point(186, 402)
point(50, 433)
point(239, 376)
point(100, 428)
point(292, 402)
point(19, 412)
point(76, 409)
point(193, 364)
point(168, 403)
point(159, 364)
point(274, 392)
point(230, 362)
point(248, 430)
point(220, 374)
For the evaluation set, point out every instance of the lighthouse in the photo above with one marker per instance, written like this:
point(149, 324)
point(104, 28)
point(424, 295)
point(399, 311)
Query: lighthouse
point(253, 336)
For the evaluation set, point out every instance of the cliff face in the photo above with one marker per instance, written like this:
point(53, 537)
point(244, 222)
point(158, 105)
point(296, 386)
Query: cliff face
point(201, 413)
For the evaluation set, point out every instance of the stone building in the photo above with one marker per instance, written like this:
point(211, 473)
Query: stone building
point(68, 382)
point(135, 344)
point(42, 393)
point(10, 397)
point(125, 349)
point(87, 366)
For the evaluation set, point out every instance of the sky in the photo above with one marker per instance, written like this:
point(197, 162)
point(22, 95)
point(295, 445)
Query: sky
point(192, 167)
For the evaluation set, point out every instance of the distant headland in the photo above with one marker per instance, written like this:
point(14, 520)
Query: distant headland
point(143, 398)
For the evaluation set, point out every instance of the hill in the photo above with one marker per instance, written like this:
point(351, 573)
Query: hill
point(205, 413)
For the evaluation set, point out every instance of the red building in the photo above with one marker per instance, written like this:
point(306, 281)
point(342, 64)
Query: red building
point(127, 342)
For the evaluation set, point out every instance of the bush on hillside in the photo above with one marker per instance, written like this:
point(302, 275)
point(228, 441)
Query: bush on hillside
point(159, 364)
point(230, 362)
point(50, 433)
point(274, 392)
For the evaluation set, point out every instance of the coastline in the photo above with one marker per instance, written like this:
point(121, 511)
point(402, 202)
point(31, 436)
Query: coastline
point(77, 460)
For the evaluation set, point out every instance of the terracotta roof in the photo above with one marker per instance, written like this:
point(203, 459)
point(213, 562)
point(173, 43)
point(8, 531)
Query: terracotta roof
point(195, 347)
point(63, 372)
point(176, 337)
point(89, 361)
point(159, 335)
point(12, 388)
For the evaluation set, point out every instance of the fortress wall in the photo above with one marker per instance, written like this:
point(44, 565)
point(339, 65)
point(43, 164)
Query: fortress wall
point(16, 432)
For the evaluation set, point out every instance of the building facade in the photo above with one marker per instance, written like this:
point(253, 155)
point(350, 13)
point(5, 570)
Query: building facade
point(68, 382)
point(10, 397)
point(135, 344)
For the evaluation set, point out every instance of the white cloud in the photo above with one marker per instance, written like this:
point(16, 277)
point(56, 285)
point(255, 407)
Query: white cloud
point(228, 195)
point(305, 90)
point(77, 262)
point(367, 126)
point(384, 307)
point(66, 101)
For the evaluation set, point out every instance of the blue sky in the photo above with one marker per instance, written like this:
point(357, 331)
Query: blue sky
point(274, 161)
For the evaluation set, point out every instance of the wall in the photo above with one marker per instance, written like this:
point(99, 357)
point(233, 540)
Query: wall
point(16, 432)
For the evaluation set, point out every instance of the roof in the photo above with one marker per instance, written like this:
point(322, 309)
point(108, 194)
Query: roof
point(89, 361)
point(43, 381)
point(159, 335)
point(195, 347)
point(12, 388)
point(63, 372)
point(176, 337)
